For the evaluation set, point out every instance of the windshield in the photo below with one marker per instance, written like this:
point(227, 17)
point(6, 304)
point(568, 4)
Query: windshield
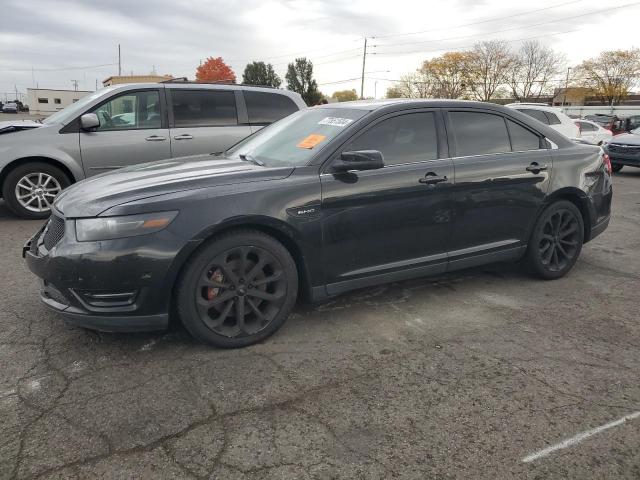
point(70, 112)
point(293, 140)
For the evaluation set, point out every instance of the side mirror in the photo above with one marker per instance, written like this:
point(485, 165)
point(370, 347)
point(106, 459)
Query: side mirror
point(360, 160)
point(89, 121)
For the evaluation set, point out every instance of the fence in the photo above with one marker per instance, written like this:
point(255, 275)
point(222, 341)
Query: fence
point(619, 110)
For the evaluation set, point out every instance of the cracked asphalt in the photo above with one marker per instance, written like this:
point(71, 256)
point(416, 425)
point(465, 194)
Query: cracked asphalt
point(459, 376)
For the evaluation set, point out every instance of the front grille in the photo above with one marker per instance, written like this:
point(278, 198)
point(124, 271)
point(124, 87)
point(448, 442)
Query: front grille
point(53, 232)
point(628, 149)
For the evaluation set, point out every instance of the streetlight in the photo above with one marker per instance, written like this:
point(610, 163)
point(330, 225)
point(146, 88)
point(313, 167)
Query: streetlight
point(566, 87)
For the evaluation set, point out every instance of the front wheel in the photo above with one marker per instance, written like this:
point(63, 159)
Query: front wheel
point(237, 290)
point(556, 240)
point(30, 189)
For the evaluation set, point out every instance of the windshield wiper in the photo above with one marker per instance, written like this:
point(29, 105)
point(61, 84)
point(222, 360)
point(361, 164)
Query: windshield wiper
point(248, 158)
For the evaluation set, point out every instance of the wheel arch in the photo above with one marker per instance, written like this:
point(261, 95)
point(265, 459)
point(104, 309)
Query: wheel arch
point(580, 200)
point(9, 167)
point(275, 228)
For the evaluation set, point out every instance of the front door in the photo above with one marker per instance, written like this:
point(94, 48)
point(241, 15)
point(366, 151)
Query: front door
point(204, 121)
point(133, 129)
point(384, 224)
point(502, 177)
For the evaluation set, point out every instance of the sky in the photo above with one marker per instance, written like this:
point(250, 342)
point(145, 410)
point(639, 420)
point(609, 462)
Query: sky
point(49, 43)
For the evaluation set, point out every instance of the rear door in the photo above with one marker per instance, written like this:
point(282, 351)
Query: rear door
point(204, 121)
point(133, 129)
point(502, 176)
point(264, 108)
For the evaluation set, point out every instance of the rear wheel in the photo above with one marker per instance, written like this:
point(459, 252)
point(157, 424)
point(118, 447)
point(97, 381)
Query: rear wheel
point(30, 189)
point(616, 167)
point(237, 290)
point(556, 240)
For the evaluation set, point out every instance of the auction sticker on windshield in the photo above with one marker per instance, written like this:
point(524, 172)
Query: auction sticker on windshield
point(335, 121)
point(311, 141)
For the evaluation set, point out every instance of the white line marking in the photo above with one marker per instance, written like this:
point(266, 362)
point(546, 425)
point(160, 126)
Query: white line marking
point(579, 437)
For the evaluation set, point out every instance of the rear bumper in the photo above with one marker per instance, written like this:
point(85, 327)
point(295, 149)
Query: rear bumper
point(599, 227)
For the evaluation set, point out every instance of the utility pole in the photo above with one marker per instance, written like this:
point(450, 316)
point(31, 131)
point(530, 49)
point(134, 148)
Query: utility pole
point(119, 62)
point(364, 60)
point(566, 87)
point(75, 84)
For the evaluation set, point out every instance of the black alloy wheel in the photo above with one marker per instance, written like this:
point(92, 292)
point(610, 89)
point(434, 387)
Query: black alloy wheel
point(556, 241)
point(242, 294)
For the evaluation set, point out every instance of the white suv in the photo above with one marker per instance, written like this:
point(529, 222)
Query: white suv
point(549, 116)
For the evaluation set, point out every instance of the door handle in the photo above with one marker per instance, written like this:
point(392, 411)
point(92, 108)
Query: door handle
point(431, 178)
point(535, 168)
point(155, 138)
point(184, 136)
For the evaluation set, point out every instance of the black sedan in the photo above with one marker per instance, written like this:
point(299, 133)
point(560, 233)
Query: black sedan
point(624, 150)
point(329, 199)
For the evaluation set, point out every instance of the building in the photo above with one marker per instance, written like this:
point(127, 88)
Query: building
point(116, 79)
point(45, 101)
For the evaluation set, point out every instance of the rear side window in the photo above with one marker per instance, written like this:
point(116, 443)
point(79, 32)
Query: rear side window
point(587, 127)
point(264, 108)
point(478, 133)
point(553, 118)
point(203, 108)
point(522, 139)
point(537, 114)
point(403, 139)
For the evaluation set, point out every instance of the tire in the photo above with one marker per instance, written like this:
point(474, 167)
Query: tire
point(616, 167)
point(26, 179)
point(556, 241)
point(212, 293)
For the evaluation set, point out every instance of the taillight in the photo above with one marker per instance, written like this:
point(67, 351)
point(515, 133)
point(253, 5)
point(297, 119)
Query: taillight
point(607, 163)
point(578, 125)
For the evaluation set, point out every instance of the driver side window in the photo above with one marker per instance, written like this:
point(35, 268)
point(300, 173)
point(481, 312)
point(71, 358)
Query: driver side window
point(402, 139)
point(130, 111)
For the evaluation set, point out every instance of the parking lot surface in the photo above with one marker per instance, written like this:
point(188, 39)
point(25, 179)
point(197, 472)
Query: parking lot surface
point(460, 376)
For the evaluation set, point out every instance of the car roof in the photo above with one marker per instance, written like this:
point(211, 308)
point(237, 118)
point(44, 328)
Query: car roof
point(371, 105)
point(200, 86)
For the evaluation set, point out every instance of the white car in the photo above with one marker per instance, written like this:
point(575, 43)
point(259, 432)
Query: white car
point(549, 116)
point(593, 133)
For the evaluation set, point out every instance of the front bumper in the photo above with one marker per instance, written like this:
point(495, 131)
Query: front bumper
point(619, 156)
point(116, 285)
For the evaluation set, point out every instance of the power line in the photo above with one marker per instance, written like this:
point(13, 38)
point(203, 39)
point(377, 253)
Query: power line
point(471, 46)
point(60, 69)
point(495, 19)
point(519, 27)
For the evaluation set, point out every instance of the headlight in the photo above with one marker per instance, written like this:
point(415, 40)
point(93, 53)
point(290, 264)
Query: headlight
point(107, 228)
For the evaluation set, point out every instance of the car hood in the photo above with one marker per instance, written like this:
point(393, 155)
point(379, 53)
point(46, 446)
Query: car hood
point(17, 125)
point(91, 197)
point(626, 139)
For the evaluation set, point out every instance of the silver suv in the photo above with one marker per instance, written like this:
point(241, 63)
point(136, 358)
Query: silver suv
point(127, 124)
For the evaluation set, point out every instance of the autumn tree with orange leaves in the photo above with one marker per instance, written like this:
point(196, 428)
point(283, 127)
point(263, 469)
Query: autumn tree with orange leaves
point(215, 70)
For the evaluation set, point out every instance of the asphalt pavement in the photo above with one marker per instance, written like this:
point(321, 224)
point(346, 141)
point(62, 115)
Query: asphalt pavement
point(479, 374)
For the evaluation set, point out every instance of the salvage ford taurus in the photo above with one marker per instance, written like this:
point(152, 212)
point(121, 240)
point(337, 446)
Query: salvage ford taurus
point(327, 200)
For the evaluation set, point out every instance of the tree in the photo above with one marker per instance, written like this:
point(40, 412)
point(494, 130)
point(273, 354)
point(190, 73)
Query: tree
point(346, 95)
point(611, 74)
point(259, 73)
point(533, 68)
point(300, 79)
point(449, 74)
point(215, 70)
point(489, 64)
point(418, 84)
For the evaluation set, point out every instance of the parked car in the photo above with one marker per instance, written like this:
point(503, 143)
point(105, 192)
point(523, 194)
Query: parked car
point(624, 149)
point(329, 199)
point(616, 124)
point(124, 125)
point(549, 116)
point(593, 133)
point(10, 107)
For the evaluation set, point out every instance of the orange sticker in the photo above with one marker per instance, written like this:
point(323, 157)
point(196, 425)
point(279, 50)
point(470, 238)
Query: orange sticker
point(311, 141)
